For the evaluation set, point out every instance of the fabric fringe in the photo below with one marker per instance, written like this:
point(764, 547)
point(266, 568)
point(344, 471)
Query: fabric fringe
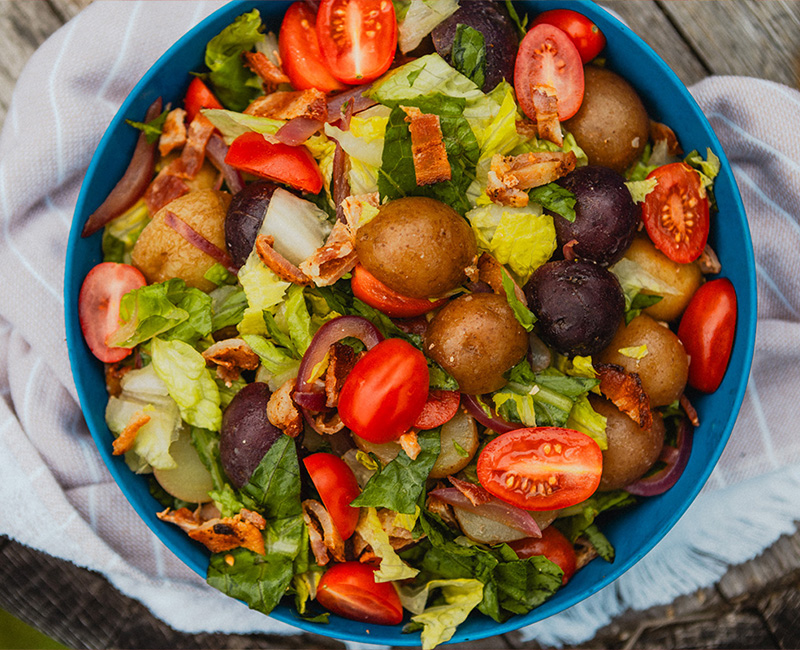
point(722, 528)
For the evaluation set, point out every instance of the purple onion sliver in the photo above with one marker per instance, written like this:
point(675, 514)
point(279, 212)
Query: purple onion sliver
point(664, 479)
point(297, 130)
point(470, 403)
point(216, 150)
point(496, 510)
point(198, 241)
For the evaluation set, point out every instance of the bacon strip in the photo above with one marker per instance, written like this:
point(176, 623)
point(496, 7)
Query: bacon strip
point(333, 259)
point(326, 542)
point(194, 151)
point(341, 359)
point(271, 75)
point(353, 206)
point(221, 534)
point(545, 105)
point(427, 147)
point(491, 271)
point(289, 104)
point(124, 442)
point(231, 356)
point(173, 133)
point(282, 411)
point(282, 267)
point(165, 188)
point(659, 131)
point(409, 444)
point(625, 391)
point(509, 175)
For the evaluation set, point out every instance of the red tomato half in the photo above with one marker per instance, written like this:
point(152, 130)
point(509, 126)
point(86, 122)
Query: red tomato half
point(337, 486)
point(198, 96)
point(98, 306)
point(441, 406)
point(385, 392)
point(706, 330)
point(358, 38)
point(276, 161)
point(300, 53)
point(586, 36)
point(547, 57)
point(542, 468)
point(367, 288)
point(349, 590)
point(553, 545)
point(675, 213)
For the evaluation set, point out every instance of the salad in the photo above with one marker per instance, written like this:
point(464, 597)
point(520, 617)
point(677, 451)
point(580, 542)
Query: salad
point(399, 301)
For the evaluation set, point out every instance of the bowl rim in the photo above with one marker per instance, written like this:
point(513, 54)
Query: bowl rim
point(746, 327)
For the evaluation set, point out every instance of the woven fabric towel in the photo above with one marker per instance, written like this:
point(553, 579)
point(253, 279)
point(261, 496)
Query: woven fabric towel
point(52, 474)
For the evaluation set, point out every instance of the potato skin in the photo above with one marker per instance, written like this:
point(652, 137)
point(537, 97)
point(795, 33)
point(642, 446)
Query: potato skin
point(631, 449)
point(161, 253)
point(684, 278)
point(612, 125)
point(476, 338)
point(417, 246)
point(664, 370)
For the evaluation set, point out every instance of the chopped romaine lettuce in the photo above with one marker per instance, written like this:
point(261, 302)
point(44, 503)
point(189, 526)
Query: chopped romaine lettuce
point(232, 124)
point(468, 54)
point(263, 289)
point(121, 233)
point(299, 227)
point(417, 18)
point(391, 566)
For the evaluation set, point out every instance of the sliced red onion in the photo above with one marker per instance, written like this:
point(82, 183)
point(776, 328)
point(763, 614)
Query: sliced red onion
point(477, 494)
point(297, 130)
point(216, 150)
point(496, 509)
point(133, 184)
point(675, 459)
point(493, 422)
point(360, 101)
point(198, 241)
point(311, 395)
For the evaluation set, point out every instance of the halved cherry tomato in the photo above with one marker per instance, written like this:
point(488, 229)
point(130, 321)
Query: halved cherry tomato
point(300, 53)
point(441, 406)
point(276, 161)
point(543, 468)
point(198, 96)
point(357, 38)
point(675, 213)
point(367, 288)
point(98, 306)
point(706, 330)
point(553, 545)
point(349, 590)
point(385, 392)
point(337, 486)
point(547, 57)
point(586, 36)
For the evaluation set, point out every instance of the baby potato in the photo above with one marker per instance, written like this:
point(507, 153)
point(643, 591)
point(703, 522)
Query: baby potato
point(684, 279)
point(664, 367)
point(161, 253)
point(631, 449)
point(611, 126)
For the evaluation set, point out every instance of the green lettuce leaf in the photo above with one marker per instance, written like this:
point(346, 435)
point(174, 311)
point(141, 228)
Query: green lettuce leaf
point(524, 316)
point(152, 129)
point(232, 124)
point(585, 419)
point(391, 566)
point(228, 304)
point(575, 520)
point(121, 234)
point(556, 199)
point(417, 18)
point(468, 54)
point(263, 289)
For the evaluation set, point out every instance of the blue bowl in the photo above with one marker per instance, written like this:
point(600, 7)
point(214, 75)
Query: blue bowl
point(633, 532)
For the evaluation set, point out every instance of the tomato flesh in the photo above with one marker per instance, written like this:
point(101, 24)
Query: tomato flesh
point(548, 58)
point(385, 392)
point(349, 590)
point(441, 406)
point(198, 96)
point(98, 306)
point(541, 468)
point(554, 546)
point(585, 35)
point(676, 212)
point(337, 487)
point(295, 166)
point(357, 38)
point(707, 329)
point(300, 54)
point(367, 288)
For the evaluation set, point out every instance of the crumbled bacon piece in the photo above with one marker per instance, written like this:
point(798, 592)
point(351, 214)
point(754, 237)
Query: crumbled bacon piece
point(333, 259)
point(231, 356)
point(491, 272)
point(353, 206)
point(269, 73)
point(326, 542)
point(282, 411)
point(165, 188)
point(510, 175)
point(282, 267)
point(585, 552)
point(114, 373)
point(173, 133)
point(625, 391)
point(475, 493)
point(409, 444)
point(438, 507)
point(545, 105)
point(399, 537)
point(708, 261)
point(220, 534)
point(567, 252)
point(659, 131)
point(194, 151)
point(124, 442)
point(327, 422)
point(289, 104)
point(341, 359)
point(690, 410)
point(427, 147)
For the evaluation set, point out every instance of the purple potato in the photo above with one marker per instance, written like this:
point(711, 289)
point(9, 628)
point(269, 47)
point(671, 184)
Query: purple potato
point(579, 306)
point(605, 215)
point(246, 433)
point(245, 216)
point(491, 20)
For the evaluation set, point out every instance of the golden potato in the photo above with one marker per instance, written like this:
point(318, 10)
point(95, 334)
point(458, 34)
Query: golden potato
point(161, 253)
point(664, 367)
point(683, 279)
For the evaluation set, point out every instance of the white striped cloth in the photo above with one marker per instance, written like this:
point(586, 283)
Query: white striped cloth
point(58, 497)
